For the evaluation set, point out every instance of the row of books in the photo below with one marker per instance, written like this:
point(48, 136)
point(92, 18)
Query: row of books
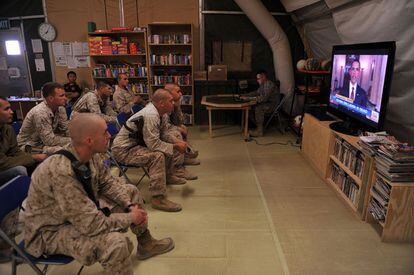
point(139, 88)
point(345, 183)
point(380, 196)
point(170, 59)
point(178, 79)
point(188, 118)
point(349, 156)
point(103, 70)
point(169, 39)
point(105, 45)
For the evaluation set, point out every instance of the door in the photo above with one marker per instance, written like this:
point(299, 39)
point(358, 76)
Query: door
point(14, 76)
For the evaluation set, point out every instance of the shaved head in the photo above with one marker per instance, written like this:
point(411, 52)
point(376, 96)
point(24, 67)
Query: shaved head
point(171, 87)
point(83, 126)
point(160, 95)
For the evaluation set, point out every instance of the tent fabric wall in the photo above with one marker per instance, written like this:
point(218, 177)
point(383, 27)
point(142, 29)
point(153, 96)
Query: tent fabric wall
point(71, 20)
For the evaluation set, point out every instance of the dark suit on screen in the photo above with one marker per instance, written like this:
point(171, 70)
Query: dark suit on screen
point(361, 98)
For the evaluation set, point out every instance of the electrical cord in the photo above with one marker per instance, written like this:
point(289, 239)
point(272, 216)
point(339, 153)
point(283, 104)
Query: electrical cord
point(289, 142)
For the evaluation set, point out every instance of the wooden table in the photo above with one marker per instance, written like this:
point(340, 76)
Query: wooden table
point(226, 102)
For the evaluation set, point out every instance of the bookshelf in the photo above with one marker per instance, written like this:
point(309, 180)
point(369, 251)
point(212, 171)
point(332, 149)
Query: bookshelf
point(395, 205)
point(338, 159)
point(112, 53)
point(170, 59)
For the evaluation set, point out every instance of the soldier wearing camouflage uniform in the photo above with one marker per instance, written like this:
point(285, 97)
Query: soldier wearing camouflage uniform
point(97, 102)
point(267, 98)
point(45, 127)
point(124, 99)
point(62, 217)
point(139, 143)
point(179, 131)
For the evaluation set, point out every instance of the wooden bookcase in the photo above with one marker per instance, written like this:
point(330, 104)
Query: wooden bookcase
point(170, 59)
point(399, 218)
point(108, 59)
point(318, 145)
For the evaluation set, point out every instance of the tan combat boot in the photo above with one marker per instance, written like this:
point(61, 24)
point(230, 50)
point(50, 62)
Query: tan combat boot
point(149, 247)
point(190, 161)
point(161, 203)
point(175, 180)
point(184, 173)
point(258, 132)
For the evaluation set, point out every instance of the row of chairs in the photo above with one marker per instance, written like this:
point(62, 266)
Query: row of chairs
point(12, 195)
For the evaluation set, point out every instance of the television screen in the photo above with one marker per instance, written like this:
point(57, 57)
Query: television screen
point(360, 81)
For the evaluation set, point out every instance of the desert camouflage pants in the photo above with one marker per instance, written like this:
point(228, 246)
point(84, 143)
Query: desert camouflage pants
point(260, 110)
point(173, 135)
point(159, 166)
point(112, 250)
point(9, 226)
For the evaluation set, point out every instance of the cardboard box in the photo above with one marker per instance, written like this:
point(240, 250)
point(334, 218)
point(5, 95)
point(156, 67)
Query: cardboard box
point(217, 72)
point(200, 75)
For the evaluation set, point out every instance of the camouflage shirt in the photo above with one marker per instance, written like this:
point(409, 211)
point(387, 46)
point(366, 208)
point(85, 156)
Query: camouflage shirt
point(10, 153)
point(92, 103)
point(267, 93)
point(123, 100)
point(56, 198)
point(43, 127)
point(154, 125)
point(177, 117)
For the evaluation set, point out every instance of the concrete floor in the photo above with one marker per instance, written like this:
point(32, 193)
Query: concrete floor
point(259, 210)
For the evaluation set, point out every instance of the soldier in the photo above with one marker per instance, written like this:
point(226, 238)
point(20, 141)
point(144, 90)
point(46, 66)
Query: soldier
point(13, 162)
point(179, 131)
point(138, 143)
point(97, 102)
point(124, 99)
point(45, 127)
point(63, 213)
point(267, 97)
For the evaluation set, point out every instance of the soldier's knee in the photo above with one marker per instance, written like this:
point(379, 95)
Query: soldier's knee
point(119, 245)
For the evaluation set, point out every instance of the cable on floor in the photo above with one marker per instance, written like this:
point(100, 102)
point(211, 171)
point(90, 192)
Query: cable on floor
point(289, 142)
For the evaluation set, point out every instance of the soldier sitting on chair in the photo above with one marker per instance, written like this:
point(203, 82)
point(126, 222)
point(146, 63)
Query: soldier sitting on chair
point(63, 210)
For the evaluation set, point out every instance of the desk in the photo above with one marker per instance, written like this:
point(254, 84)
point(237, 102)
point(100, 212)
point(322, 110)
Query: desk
point(226, 102)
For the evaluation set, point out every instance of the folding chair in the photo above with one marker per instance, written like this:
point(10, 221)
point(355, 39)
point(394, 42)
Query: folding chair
point(68, 110)
point(136, 108)
point(122, 118)
point(16, 126)
point(123, 168)
point(12, 195)
point(276, 111)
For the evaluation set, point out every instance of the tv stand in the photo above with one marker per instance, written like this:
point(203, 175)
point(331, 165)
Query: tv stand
point(346, 127)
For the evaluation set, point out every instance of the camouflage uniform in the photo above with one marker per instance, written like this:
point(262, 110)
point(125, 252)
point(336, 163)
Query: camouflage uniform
point(44, 129)
point(151, 151)
point(267, 97)
point(60, 218)
point(123, 100)
point(92, 103)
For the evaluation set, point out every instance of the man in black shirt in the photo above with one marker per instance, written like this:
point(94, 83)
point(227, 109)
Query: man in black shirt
point(72, 89)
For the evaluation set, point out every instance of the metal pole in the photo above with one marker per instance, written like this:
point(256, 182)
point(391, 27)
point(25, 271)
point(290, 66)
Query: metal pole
point(202, 37)
point(49, 45)
point(26, 57)
point(121, 13)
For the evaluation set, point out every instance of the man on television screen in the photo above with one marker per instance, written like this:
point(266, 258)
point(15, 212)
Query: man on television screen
point(351, 89)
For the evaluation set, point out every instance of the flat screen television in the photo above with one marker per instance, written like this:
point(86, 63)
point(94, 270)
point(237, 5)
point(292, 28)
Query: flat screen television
point(360, 84)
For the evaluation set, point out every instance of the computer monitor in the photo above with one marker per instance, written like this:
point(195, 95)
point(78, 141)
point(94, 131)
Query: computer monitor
point(360, 84)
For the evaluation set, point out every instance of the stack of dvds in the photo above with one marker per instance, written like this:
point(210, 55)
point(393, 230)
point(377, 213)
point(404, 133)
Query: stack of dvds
point(349, 156)
point(380, 196)
point(345, 183)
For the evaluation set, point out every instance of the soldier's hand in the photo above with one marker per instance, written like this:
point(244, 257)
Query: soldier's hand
point(138, 216)
point(183, 131)
point(180, 146)
point(39, 157)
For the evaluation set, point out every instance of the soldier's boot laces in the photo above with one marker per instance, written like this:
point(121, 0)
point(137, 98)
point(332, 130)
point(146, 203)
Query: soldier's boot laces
point(149, 247)
point(162, 203)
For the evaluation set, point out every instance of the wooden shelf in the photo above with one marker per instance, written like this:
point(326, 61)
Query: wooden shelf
point(347, 170)
point(130, 77)
point(167, 44)
point(115, 32)
point(116, 55)
point(342, 195)
point(171, 65)
point(177, 84)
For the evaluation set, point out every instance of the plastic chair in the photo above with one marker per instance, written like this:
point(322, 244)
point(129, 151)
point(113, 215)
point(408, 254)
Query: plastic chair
point(12, 195)
point(16, 126)
point(278, 108)
point(122, 118)
point(112, 129)
point(136, 108)
point(68, 110)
